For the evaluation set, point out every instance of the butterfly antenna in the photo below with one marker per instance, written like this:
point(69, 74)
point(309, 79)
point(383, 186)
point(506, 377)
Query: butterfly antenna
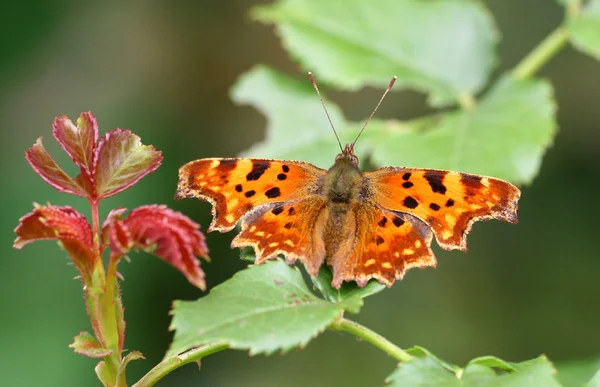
point(376, 107)
point(314, 83)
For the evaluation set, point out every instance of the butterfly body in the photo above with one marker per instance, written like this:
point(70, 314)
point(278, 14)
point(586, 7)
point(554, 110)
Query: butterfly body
point(366, 225)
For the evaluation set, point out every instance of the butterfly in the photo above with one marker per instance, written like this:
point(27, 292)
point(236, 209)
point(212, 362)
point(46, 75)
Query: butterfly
point(364, 225)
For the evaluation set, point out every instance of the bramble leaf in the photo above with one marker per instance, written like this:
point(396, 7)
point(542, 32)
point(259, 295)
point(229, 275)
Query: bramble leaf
point(481, 372)
point(104, 374)
point(44, 165)
point(584, 29)
point(418, 351)
point(348, 289)
point(263, 309)
point(444, 48)
point(505, 136)
point(578, 372)
point(86, 344)
point(291, 106)
point(121, 161)
point(493, 362)
point(595, 381)
point(63, 224)
point(78, 141)
point(422, 372)
point(162, 232)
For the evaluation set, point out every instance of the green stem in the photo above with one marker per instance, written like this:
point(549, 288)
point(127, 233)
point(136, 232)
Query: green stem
point(573, 8)
point(168, 365)
point(467, 101)
point(95, 204)
point(544, 51)
point(372, 337)
point(109, 320)
point(103, 300)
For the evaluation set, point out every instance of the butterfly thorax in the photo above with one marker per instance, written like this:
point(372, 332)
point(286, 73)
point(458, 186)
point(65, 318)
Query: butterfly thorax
point(341, 184)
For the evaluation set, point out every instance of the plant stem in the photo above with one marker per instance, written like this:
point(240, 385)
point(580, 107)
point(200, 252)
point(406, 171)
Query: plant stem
point(111, 300)
point(467, 101)
point(168, 365)
point(573, 8)
point(95, 224)
point(544, 51)
point(372, 337)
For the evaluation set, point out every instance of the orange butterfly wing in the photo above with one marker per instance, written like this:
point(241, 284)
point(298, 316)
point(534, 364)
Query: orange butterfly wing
point(291, 229)
point(236, 187)
point(386, 245)
point(448, 202)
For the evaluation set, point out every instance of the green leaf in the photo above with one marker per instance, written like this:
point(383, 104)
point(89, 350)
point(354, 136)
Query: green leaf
point(585, 29)
point(493, 362)
point(247, 254)
point(422, 372)
point(418, 351)
point(264, 308)
point(131, 356)
point(485, 371)
point(595, 381)
point(444, 48)
point(290, 106)
point(104, 374)
point(86, 344)
point(348, 289)
point(505, 136)
point(535, 372)
point(577, 372)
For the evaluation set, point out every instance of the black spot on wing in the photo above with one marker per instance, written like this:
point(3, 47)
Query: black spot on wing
point(281, 176)
point(285, 168)
point(449, 203)
point(434, 206)
point(249, 194)
point(435, 180)
point(273, 193)
point(258, 168)
point(407, 184)
point(379, 240)
point(398, 221)
point(239, 188)
point(406, 176)
point(382, 222)
point(288, 225)
point(410, 202)
point(291, 211)
point(277, 210)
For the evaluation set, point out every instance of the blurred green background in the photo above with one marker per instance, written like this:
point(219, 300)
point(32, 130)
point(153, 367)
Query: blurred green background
point(163, 70)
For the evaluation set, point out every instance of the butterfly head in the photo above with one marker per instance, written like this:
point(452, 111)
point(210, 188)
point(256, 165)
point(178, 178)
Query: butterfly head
point(348, 154)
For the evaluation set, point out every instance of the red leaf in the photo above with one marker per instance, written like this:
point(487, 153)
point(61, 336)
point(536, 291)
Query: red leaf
point(120, 161)
point(113, 216)
point(78, 141)
point(45, 166)
point(165, 233)
point(88, 345)
point(64, 224)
